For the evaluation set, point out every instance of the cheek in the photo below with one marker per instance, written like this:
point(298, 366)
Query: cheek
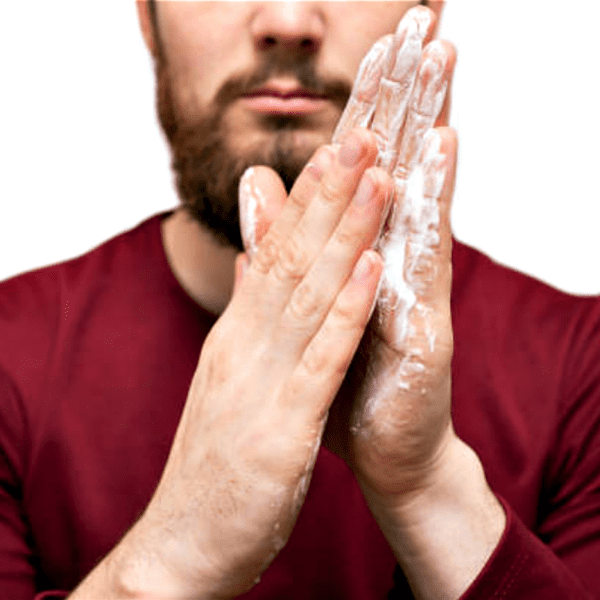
point(363, 26)
point(202, 49)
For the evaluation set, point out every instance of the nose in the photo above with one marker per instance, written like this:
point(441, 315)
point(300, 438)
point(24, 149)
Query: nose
point(292, 26)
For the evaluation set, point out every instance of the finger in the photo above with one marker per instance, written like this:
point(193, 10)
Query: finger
point(427, 100)
point(361, 104)
point(432, 273)
point(288, 249)
point(443, 119)
point(261, 198)
point(416, 248)
point(358, 229)
point(327, 357)
point(285, 256)
point(241, 264)
point(398, 80)
point(281, 214)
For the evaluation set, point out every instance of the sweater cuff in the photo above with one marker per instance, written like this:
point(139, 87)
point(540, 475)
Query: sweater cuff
point(51, 595)
point(523, 567)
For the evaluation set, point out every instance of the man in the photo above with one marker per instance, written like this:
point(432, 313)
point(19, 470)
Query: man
point(101, 437)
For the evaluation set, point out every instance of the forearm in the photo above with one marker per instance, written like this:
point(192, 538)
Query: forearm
point(443, 537)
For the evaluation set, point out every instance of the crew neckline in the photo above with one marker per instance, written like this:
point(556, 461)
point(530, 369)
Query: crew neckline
point(155, 224)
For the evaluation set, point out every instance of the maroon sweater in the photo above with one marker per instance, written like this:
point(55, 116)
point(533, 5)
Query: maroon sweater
point(96, 356)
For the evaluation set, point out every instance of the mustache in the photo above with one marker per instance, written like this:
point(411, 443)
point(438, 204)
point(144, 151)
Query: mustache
point(336, 90)
point(207, 170)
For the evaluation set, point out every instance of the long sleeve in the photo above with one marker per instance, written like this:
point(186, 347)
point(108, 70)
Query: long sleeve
point(527, 400)
point(521, 568)
point(17, 572)
point(17, 564)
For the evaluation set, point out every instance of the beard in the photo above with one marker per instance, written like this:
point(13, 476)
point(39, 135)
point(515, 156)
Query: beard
point(210, 152)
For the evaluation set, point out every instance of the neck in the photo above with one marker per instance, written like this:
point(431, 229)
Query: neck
point(203, 267)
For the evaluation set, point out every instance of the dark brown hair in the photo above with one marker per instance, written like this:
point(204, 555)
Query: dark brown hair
point(152, 11)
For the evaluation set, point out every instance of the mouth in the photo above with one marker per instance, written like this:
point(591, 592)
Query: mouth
point(283, 98)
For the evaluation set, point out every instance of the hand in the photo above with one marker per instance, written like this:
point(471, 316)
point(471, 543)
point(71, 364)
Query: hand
point(399, 420)
point(391, 420)
point(245, 447)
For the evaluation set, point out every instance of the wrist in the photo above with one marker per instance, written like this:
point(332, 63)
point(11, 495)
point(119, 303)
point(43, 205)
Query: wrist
point(142, 566)
point(443, 533)
point(458, 485)
point(129, 572)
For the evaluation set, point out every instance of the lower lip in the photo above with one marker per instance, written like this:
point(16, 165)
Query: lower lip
point(275, 105)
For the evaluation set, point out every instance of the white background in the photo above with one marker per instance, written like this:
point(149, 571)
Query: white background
point(83, 159)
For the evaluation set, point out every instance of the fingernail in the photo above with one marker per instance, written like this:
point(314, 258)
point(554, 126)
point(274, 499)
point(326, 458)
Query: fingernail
point(250, 199)
point(352, 150)
point(320, 162)
point(366, 190)
point(362, 268)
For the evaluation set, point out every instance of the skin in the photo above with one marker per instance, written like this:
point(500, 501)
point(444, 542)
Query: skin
point(298, 314)
point(418, 478)
point(341, 34)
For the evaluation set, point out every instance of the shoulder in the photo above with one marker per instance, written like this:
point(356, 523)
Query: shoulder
point(34, 305)
point(525, 322)
point(34, 294)
point(487, 287)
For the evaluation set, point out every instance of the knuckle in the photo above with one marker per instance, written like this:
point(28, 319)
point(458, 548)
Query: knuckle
point(306, 302)
point(296, 200)
point(350, 232)
point(329, 193)
point(315, 361)
point(267, 254)
point(345, 314)
point(320, 362)
point(349, 317)
point(292, 261)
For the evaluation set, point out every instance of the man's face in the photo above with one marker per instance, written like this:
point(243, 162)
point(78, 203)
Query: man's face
point(242, 83)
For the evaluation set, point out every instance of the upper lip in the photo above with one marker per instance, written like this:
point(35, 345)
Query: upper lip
point(284, 91)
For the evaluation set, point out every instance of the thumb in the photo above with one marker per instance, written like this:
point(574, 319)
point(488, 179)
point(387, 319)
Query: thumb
point(241, 264)
point(261, 197)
